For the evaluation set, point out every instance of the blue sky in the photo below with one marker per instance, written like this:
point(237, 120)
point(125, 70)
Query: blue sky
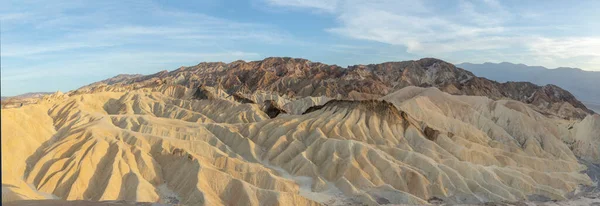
point(62, 45)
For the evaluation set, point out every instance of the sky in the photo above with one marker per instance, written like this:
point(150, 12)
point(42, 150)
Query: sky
point(63, 45)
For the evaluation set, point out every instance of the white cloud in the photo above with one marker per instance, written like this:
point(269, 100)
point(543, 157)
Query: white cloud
point(60, 32)
point(428, 28)
point(325, 5)
point(20, 50)
point(490, 13)
point(89, 40)
point(570, 51)
point(566, 47)
point(421, 31)
point(8, 17)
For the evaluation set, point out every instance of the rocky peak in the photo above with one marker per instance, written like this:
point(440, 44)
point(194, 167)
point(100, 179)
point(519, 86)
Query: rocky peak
point(300, 78)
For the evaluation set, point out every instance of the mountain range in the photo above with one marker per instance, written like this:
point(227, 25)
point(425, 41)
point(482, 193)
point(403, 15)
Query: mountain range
point(27, 95)
point(288, 131)
point(583, 84)
point(300, 77)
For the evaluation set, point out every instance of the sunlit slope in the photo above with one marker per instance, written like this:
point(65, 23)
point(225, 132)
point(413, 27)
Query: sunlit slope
point(507, 121)
point(123, 146)
point(586, 138)
point(178, 145)
point(23, 131)
point(368, 147)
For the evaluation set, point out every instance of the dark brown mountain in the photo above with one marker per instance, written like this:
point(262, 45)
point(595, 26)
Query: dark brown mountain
point(300, 77)
point(581, 83)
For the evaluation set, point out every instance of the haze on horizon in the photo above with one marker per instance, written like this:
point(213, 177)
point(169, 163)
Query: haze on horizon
point(65, 45)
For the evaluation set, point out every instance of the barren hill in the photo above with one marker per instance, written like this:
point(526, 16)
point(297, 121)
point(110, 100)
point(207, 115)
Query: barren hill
point(300, 77)
point(286, 131)
point(22, 99)
point(583, 84)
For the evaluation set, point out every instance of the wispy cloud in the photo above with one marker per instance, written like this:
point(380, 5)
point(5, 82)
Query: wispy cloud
point(567, 47)
point(83, 38)
point(8, 17)
point(96, 29)
point(574, 49)
point(325, 5)
point(112, 63)
point(20, 50)
point(441, 29)
point(420, 30)
point(45, 40)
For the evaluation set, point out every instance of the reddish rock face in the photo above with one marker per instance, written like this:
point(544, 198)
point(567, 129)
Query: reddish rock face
point(300, 77)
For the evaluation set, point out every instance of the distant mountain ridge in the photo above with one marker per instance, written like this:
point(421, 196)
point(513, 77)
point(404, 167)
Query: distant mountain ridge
point(295, 77)
point(27, 95)
point(583, 84)
point(22, 99)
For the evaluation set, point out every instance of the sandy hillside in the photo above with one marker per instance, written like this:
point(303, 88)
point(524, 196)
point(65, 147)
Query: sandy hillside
point(174, 145)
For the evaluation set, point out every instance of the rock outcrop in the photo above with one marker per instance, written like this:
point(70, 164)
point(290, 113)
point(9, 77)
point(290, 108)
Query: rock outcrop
point(301, 78)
